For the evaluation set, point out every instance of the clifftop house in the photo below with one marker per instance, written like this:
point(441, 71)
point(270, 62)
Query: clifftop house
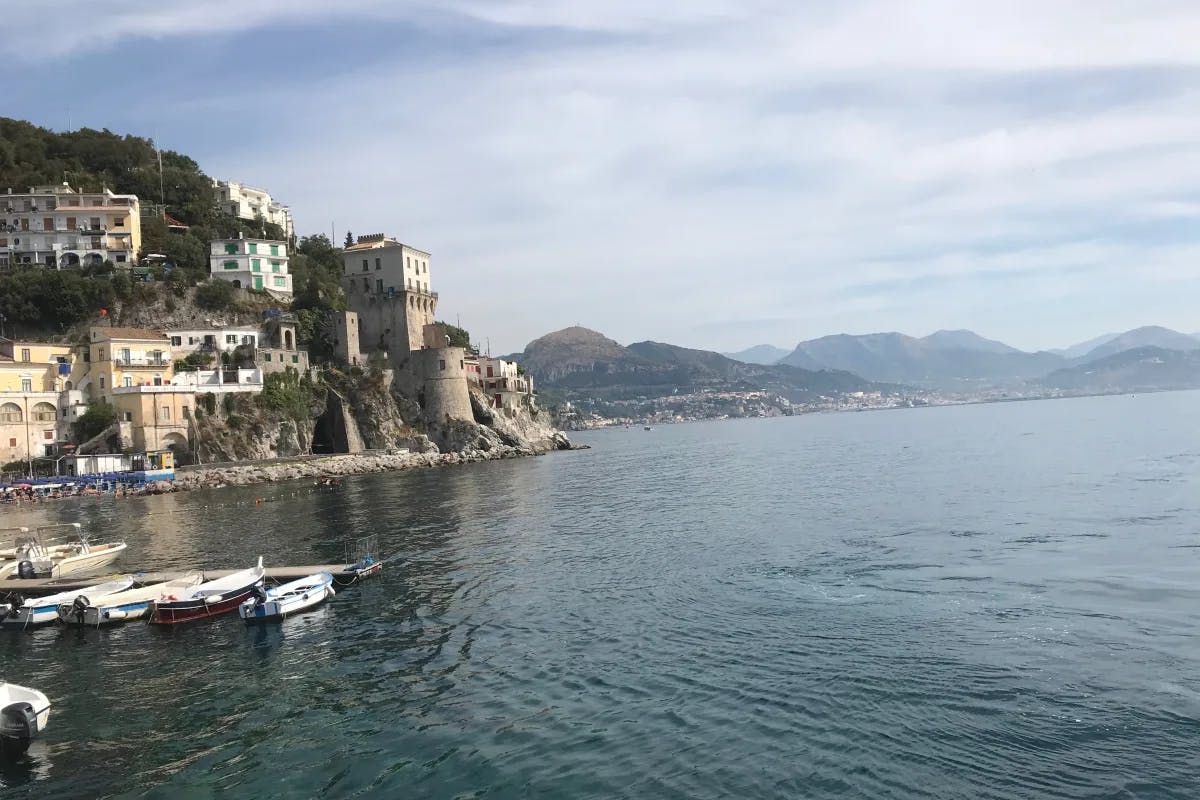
point(58, 227)
point(248, 203)
point(251, 264)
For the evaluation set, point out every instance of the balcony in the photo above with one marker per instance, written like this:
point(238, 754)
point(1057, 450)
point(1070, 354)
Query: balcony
point(140, 361)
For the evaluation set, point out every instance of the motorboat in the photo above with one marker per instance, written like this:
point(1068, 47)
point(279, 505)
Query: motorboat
point(24, 714)
point(35, 611)
point(117, 607)
point(208, 599)
point(35, 556)
point(277, 603)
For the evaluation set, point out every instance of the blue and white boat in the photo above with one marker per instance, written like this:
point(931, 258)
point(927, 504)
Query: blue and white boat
point(111, 609)
point(43, 610)
point(275, 604)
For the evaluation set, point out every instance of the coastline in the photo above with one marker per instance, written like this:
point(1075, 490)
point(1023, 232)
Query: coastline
point(342, 464)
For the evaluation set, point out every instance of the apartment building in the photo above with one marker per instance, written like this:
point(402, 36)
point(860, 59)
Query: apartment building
point(57, 227)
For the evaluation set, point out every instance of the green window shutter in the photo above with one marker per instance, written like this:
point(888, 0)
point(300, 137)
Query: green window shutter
point(231, 265)
point(253, 247)
point(280, 282)
point(231, 248)
point(274, 249)
point(275, 265)
point(295, 359)
point(255, 264)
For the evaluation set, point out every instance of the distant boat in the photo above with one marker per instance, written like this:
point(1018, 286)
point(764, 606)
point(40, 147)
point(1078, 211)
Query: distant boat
point(208, 599)
point(280, 602)
point(43, 610)
point(113, 608)
point(24, 714)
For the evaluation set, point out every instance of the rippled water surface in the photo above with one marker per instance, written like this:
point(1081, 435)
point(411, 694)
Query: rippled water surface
point(988, 602)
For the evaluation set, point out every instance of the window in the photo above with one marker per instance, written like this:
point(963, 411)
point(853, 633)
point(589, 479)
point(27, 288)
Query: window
point(165, 413)
point(295, 359)
point(230, 265)
point(365, 266)
point(366, 285)
point(247, 340)
point(255, 265)
point(119, 222)
point(274, 249)
point(378, 263)
point(127, 416)
point(12, 442)
point(26, 384)
point(280, 281)
point(379, 285)
point(48, 435)
point(48, 224)
point(101, 381)
point(94, 223)
point(128, 381)
point(10, 412)
point(71, 223)
point(230, 339)
point(276, 266)
point(442, 364)
point(120, 258)
point(231, 247)
point(253, 247)
point(176, 341)
point(25, 354)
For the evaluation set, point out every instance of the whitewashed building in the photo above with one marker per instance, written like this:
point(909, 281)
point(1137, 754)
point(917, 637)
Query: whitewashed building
point(248, 203)
point(252, 264)
point(213, 341)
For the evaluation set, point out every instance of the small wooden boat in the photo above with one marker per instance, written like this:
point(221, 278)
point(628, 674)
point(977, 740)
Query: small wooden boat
point(35, 556)
point(111, 609)
point(24, 714)
point(43, 610)
point(280, 602)
point(208, 599)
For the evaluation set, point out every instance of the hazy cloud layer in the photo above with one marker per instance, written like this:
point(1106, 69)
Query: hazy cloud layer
point(714, 174)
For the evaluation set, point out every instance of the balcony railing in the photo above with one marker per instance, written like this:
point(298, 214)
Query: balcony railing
point(135, 361)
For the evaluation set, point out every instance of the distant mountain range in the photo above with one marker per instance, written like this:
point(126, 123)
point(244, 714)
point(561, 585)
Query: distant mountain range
point(759, 354)
point(581, 362)
point(578, 363)
point(961, 359)
point(1141, 369)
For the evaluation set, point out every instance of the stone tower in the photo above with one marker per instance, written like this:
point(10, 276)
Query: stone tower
point(387, 286)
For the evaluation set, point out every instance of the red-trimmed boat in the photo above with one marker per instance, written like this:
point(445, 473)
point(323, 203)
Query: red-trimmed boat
point(208, 599)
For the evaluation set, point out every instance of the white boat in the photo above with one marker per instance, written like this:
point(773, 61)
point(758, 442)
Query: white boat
point(24, 714)
point(280, 602)
point(36, 557)
point(42, 610)
point(110, 609)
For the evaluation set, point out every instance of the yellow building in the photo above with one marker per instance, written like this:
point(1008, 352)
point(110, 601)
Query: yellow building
point(33, 380)
point(120, 358)
point(158, 416)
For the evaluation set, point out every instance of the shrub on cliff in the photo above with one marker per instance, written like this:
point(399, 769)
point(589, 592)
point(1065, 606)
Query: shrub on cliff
point(289, 394)
point(93, 421)
point(214, 295)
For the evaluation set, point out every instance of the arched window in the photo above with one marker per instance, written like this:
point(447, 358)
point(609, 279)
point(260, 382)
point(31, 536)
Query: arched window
point(287, 340)
point(44, 412)
point(10, 412)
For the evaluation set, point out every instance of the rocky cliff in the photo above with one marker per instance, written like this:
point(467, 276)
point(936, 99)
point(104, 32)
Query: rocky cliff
point(357, 411)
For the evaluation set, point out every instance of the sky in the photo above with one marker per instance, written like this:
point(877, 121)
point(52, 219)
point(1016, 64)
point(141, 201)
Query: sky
point(711, 174)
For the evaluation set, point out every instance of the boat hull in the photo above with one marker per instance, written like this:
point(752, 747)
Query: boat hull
point(175, 612)
point(277, 610)
point(30, 617)
point(94, 617)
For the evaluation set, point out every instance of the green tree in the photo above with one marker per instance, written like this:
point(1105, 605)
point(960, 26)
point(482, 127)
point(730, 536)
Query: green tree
point(349, 239)
point(215, 295)
point(458, 336)
point(93, 422)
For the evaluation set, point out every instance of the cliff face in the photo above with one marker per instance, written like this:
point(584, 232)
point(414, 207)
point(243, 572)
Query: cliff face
point(364, 410)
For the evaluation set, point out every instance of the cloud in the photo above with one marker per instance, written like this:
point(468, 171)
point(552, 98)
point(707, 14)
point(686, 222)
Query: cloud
point(680, 171)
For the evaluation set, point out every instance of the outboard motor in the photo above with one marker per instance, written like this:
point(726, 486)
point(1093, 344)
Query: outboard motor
point(25, 570)
point(18, 725)
point(80, 606)
point(260, 595)
point(12, 605)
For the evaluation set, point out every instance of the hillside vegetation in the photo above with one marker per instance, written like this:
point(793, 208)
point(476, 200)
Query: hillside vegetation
point(37, 302)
